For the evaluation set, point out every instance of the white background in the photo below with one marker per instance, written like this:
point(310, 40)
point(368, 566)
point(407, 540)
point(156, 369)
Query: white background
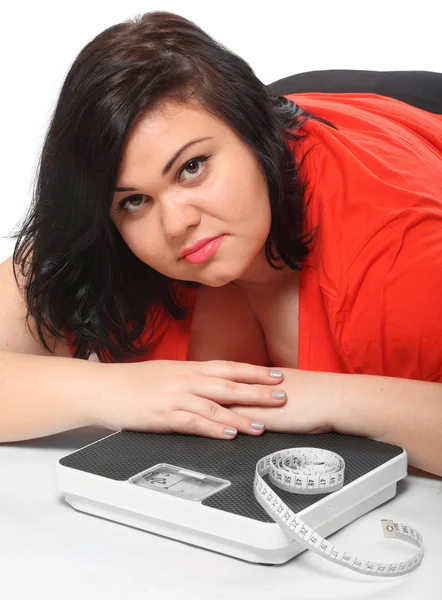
point(40, 40)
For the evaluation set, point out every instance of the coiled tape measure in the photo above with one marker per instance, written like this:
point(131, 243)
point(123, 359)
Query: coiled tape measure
point(318, 471)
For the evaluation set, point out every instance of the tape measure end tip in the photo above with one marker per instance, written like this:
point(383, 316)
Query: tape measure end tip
point(388, 528)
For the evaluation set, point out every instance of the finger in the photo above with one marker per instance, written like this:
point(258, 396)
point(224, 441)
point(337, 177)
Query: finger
point(241, 372)
point(224, 391)
point(221, 415)
point(195, 424)
point(275, 419)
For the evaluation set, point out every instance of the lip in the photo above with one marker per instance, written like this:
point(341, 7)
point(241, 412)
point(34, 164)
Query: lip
point(206, 249)
point(197, 246)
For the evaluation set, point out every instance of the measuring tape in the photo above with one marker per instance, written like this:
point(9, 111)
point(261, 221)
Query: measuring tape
point(317, 471)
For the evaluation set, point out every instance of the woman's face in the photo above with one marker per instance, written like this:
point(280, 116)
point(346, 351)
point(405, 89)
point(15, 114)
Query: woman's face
point(214, 187)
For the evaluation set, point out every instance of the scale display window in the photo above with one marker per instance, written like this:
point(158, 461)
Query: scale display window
point(176, 481)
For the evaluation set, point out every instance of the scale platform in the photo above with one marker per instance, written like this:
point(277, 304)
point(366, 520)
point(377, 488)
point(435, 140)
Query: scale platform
point(200, 490)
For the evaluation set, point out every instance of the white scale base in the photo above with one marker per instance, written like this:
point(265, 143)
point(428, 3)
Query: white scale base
point(218, 530)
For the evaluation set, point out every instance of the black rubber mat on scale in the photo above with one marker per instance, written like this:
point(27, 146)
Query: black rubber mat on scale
point(127, 453)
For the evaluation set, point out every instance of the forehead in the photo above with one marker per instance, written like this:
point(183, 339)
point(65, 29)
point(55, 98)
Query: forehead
point(171, 125)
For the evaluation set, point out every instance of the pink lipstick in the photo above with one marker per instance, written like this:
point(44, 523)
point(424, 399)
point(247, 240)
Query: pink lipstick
point(204, 250)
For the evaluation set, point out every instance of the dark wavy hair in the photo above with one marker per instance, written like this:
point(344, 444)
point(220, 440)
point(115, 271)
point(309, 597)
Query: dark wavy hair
point(79, 277)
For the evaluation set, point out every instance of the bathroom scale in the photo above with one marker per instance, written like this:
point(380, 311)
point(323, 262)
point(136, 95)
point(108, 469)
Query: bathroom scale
point(262, 499)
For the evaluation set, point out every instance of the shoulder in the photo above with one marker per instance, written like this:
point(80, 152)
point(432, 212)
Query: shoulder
point(356, 107)
point(15, 335)
point(368, 182)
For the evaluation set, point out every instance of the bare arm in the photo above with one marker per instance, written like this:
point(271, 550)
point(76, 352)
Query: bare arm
point(40, 393)
point(404, 412)
point(15, 335)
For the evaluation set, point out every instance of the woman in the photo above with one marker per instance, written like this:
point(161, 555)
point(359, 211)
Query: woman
point(236, 261)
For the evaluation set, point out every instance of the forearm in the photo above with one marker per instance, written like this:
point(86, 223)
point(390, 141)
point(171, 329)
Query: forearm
point(404, 412)
point(42, 395)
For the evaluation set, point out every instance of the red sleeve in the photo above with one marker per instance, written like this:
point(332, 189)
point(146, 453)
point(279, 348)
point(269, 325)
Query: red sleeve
point(388, 316)
point(377, 202)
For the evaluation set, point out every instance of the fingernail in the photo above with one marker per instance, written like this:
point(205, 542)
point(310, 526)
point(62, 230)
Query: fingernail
point(278, 395)
point(230, 431)
point(257, 425)
point(275, 373)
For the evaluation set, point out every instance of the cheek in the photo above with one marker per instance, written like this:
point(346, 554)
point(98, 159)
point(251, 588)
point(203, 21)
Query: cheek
point(255, 206)
point(144, 242)
point(243, 199)
point(260, 229)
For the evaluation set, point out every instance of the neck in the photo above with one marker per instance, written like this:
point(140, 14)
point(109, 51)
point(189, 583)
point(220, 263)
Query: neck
point(260, 275)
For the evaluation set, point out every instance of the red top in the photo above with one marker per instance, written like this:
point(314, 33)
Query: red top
point(371, 288)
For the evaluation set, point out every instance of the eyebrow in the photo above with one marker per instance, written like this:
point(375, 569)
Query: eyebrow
point(169, 165)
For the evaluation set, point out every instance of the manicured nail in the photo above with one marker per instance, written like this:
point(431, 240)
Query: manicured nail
point(278, 395)
point(230, 431)
point(275, 373)
point(257, 425)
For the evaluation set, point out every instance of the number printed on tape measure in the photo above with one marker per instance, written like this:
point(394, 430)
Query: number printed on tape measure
point(314, 470)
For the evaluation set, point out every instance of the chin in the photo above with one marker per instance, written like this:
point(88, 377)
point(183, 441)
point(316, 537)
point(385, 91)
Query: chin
point(216, 280)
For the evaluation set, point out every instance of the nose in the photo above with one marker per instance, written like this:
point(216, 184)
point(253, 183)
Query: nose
point(176, 216)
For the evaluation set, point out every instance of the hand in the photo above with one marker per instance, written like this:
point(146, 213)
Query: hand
point(183, 396)
point(309, 407)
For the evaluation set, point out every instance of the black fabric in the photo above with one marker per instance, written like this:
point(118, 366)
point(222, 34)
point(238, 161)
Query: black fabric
point(127, 453)
point(418, 88)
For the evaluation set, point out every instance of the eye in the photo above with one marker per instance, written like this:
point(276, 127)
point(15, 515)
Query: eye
point(194, 167)
point(131, 204)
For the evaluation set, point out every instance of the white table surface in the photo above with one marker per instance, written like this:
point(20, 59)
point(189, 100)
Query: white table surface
point(49, 550)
